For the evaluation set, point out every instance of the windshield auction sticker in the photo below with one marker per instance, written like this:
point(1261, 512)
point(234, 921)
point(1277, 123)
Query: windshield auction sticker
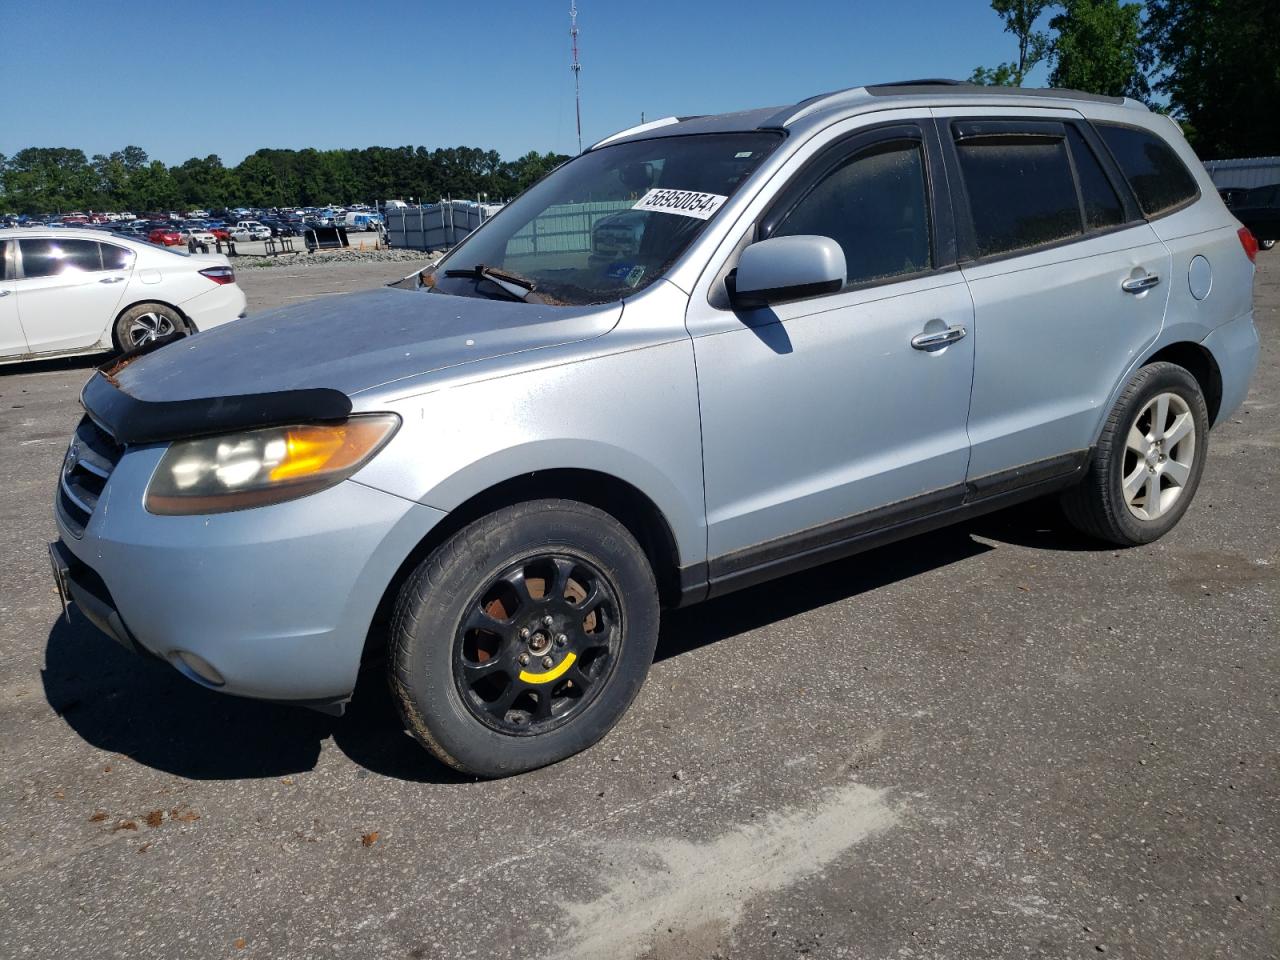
point(686, 203)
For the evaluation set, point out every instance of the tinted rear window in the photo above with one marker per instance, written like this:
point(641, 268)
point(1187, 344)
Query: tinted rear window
point(1159, 179)
point(1021, 193)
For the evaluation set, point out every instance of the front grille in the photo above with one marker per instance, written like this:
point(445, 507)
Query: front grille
point(92, 456)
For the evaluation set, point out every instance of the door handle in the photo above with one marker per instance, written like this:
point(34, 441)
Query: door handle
point(1139, 284)
point(111, 280)
point(932, 341)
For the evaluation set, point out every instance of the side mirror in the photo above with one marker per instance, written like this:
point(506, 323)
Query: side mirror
point(787, 268)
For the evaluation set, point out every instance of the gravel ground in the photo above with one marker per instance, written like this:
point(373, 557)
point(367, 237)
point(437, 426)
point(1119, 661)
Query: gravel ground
point(997, 740)
point(322, 258)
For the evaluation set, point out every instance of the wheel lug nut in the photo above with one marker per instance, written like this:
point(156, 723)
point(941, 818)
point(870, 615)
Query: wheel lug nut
point(561, 640)
point(524, 659)
point(546, 621)
point(524, 633)
point(547, 662)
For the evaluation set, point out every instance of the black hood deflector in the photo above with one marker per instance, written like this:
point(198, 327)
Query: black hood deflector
point(130, 420)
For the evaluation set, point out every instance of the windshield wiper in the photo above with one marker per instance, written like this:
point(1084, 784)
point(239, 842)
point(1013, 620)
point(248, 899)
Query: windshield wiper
point(510, 283)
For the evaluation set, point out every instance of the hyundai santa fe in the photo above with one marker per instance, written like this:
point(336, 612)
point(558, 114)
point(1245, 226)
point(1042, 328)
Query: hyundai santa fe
point(704, 353)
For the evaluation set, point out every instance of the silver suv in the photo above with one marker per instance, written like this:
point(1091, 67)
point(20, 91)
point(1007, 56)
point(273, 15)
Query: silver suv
point(831, 325)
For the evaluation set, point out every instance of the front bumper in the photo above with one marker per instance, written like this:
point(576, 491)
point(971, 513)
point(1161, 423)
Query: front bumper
point(278, 599)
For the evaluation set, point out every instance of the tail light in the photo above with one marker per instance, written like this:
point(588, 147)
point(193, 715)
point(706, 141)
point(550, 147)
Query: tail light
point(1250, 244)
point(219, 274)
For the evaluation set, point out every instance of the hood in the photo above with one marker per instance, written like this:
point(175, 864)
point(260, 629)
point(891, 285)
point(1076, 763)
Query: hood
point(352, 342)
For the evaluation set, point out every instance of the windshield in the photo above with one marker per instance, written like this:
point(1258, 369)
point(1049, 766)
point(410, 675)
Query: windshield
point(606, 224)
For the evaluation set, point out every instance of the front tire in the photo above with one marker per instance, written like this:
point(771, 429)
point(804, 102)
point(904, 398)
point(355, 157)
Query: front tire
point(523, 638)
point(1148, 462)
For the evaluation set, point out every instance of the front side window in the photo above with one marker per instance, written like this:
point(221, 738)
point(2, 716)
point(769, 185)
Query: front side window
point(1021, 192)
point(52, 258)
point(604, 225)
point(1159, 178)
point(876, 207)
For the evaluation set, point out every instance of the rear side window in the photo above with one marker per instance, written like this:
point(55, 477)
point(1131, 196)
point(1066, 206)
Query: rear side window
point(1102, 206)
point(1159, 178)
point(51, 258)
point(1021, 192)
point(116, 258)
point(876, 207)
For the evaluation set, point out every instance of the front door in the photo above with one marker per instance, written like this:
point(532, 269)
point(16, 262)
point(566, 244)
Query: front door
point(827, 417)
point(67, 295)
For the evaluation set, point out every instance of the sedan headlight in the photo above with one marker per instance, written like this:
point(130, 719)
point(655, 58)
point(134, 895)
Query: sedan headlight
point(257, 467)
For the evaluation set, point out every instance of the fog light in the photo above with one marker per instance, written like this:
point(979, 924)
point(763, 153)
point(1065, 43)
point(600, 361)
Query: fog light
point(197, 668)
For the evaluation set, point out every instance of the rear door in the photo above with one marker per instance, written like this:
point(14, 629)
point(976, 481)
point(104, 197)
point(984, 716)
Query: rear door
point(67, 292)
point(12, 342)
point(1069, 284)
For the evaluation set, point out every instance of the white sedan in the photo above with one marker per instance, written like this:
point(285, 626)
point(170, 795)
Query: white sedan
point(66, 292)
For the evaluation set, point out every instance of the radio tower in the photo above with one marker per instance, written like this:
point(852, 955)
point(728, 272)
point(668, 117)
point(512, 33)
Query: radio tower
point(576, 67)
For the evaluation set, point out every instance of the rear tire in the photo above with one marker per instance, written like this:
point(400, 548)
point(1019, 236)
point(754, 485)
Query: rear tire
point(145, 322)
point(523, 638)
point(1148, 462)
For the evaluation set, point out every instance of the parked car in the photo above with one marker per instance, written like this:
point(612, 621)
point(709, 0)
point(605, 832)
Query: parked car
point(166, 236)
point(85, 291)
point(198, 233)
point(1259, 210)
point(250, 230)
point(499, 471)
point(280, 228)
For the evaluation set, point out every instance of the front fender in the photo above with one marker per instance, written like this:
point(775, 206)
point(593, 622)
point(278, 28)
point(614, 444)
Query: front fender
point(632, 415)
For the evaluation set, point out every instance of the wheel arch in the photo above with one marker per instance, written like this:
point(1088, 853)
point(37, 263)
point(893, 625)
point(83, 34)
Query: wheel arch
point(622, 500)
point(111, 327)
point(1200, 363)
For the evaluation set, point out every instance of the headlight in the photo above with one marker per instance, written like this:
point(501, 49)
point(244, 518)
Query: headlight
point(240, 470)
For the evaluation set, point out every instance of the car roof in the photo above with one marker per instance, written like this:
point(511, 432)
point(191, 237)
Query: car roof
point(34, 233)
point(826, 107)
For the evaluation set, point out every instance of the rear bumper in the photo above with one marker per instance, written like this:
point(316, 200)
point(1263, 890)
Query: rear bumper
point(1234, 347)
point(277, 600)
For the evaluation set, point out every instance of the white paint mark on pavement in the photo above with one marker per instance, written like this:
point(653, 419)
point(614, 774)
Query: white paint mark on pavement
point(698, 890)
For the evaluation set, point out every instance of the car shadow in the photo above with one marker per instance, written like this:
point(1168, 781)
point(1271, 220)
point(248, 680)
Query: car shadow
point(147, 711)
point(85, 362)
point(750, 609)
point(1037, 524)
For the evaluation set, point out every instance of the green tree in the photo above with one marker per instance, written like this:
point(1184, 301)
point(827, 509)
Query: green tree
point(1098, 48)
point(205, 182)
point(1020, 18)
point(1218, 61)
point(151, 188)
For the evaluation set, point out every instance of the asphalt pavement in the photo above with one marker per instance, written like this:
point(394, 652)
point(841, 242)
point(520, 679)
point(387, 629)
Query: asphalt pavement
point(997, 740)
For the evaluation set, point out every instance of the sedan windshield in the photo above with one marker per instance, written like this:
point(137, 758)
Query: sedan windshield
point(604, 225)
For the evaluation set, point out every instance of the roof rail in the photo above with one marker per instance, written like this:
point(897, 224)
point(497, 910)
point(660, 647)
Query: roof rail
point(939, 87)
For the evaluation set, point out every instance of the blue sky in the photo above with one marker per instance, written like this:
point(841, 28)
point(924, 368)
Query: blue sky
point(353, 73)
